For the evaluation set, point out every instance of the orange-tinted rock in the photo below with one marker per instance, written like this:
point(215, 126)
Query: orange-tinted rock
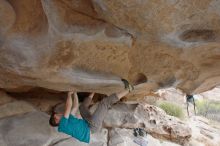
point(89, 45)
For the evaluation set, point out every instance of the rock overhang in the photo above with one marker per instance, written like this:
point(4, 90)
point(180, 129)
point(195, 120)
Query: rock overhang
point(90, 44)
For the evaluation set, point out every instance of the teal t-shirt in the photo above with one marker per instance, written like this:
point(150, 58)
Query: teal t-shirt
point(77, 128)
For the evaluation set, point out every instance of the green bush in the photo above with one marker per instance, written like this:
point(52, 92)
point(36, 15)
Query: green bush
point(172, 109)
point(209, 109)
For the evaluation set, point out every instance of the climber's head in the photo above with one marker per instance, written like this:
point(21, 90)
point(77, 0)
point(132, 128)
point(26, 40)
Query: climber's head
point(55, 119)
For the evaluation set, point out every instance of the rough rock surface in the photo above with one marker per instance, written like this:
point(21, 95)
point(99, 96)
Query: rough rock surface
point(4, 98)
point(204, 133)
point(26, 129)
point(15, 108)
point(154, 120)
point(97, 139)
point(44, 100)
point(125, 137)
point(90, 44)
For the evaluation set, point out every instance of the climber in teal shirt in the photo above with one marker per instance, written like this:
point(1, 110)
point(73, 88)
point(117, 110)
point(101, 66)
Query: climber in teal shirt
point(75, 127)
point(70, 123)
point(81, 127)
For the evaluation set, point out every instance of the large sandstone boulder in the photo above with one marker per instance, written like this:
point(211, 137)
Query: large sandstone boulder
point(24, 130)
point(97, 139)
point(125, 137)
point(15, 108)
point(90, 44)
point(152, 119)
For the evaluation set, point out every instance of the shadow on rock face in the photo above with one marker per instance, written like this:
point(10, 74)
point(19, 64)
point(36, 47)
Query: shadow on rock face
point(169, 82)
point(45, 100)
point(199, 35)
point(139, 78)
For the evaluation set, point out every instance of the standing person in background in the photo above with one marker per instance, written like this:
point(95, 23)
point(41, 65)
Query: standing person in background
point(190, 99)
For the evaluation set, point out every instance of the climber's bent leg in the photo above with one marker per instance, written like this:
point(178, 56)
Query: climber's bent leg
point(101, 111)
point(84, 109)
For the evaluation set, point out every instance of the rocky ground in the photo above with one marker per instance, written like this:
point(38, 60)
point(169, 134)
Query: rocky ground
point(24, 124)
point(204, 133)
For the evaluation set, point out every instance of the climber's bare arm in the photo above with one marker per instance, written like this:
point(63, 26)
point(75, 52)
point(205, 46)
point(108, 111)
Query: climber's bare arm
point(68, 105)
point(75, 104)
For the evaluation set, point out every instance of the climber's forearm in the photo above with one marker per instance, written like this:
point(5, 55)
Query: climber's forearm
point(68, 105)
point(75, 104)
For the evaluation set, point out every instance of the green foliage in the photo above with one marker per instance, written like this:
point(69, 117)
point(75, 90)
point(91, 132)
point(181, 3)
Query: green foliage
point(209, 109)
point(172, 109)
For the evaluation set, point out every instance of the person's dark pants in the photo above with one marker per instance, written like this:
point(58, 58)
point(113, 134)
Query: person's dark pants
point(95, 120)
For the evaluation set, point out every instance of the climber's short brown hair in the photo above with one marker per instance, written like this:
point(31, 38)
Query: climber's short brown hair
point(52, 121)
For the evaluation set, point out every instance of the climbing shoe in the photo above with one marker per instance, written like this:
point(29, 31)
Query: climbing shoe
point(139, 132)
point(127, 85)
